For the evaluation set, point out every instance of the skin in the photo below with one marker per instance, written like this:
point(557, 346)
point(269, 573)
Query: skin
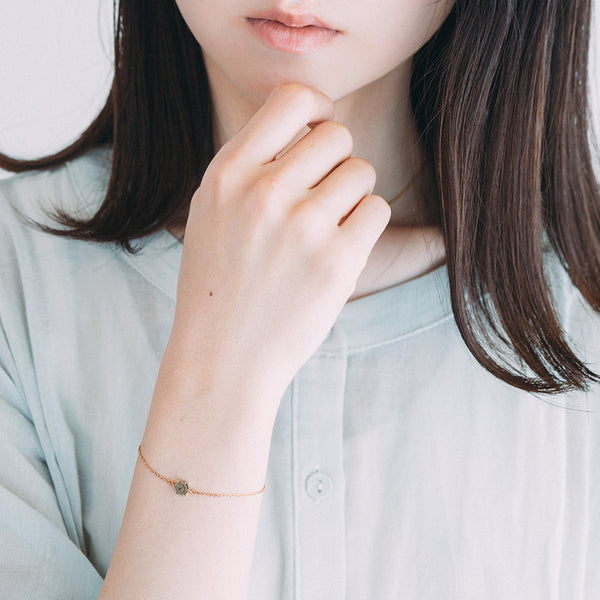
point(277, 236)
point(366, 72)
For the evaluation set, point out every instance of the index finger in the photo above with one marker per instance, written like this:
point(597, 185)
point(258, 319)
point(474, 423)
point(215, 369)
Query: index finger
point(290, 107)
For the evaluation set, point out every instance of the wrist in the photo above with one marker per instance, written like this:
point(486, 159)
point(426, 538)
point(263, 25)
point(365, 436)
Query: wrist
point(213, 443)
point(201, 364)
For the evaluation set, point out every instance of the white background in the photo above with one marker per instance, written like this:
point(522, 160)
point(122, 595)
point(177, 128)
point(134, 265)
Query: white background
point(55, 71)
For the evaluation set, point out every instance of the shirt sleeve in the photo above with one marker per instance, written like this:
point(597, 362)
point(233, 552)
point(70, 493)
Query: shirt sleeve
point(38, 557)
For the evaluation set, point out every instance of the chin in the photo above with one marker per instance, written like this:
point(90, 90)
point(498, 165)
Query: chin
point(260, 89)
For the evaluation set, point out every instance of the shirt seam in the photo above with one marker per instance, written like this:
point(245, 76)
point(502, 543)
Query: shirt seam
point(361, 348)
point(113, 247)
point(350, 350)
point(120, 254)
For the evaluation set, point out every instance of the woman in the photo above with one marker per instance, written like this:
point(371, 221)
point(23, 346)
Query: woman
point(390, 253)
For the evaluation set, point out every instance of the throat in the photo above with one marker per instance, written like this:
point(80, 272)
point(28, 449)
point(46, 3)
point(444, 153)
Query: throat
point(400, 255)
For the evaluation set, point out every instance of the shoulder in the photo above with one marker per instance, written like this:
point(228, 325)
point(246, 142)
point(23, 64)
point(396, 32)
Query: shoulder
point(29, 257)
point(76, 187)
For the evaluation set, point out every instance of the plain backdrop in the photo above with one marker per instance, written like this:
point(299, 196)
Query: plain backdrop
point(55, 71)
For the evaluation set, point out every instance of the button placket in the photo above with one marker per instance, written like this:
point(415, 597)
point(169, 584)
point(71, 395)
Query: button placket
point(318, 418)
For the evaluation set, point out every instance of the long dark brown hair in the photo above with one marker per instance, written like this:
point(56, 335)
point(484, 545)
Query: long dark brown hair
point(500, 98)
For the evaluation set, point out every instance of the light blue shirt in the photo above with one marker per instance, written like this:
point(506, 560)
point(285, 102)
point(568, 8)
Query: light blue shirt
point(399, 468)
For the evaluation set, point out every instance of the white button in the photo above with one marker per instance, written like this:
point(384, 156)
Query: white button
point(318, 485)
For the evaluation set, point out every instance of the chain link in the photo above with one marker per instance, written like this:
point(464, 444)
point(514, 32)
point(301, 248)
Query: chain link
point(189, 490)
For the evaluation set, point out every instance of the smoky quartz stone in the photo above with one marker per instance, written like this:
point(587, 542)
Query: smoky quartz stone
point(181, 488)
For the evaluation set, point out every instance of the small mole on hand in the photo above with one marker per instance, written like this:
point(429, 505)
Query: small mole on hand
point(210, 293)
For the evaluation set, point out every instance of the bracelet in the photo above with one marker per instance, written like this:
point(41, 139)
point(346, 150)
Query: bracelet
point(181, 486)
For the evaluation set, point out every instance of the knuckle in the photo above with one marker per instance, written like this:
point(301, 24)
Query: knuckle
point(225, 163)
point(271, 184)
point(274, 183)
point(312, 235)
point(299, 94)
point(382, 206)
point(217, 177)
point(265, 194)
point(364, 168)
point(230, 153)
point(306, 99)
point(292, 88)
point(379, 211)
point(340, 133)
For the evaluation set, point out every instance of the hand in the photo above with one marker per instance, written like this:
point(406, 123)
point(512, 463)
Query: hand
point(274, 247)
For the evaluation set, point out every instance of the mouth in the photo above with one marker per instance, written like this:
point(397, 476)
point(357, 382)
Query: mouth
point(295, 34)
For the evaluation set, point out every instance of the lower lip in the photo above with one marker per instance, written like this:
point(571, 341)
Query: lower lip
point(296, 40)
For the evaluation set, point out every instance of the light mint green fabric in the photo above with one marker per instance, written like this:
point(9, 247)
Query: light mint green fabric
point(399, 468)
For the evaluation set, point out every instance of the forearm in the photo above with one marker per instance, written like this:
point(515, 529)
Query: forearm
point(193, 546)
point(265, 270)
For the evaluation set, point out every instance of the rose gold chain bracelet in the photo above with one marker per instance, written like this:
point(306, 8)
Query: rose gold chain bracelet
point(181, 486)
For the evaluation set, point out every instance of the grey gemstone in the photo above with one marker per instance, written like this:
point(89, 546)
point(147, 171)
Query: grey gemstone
point(181, 488)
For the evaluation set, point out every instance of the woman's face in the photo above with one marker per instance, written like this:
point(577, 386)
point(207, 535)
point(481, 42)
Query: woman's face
point(364, 40)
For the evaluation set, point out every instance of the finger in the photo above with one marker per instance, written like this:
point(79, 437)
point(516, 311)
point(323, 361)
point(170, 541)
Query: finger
point(290, 108)
point(310, 159)
point(365, 224)
point(343, 188)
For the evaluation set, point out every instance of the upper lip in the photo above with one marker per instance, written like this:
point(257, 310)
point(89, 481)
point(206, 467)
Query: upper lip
point(292, 20)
